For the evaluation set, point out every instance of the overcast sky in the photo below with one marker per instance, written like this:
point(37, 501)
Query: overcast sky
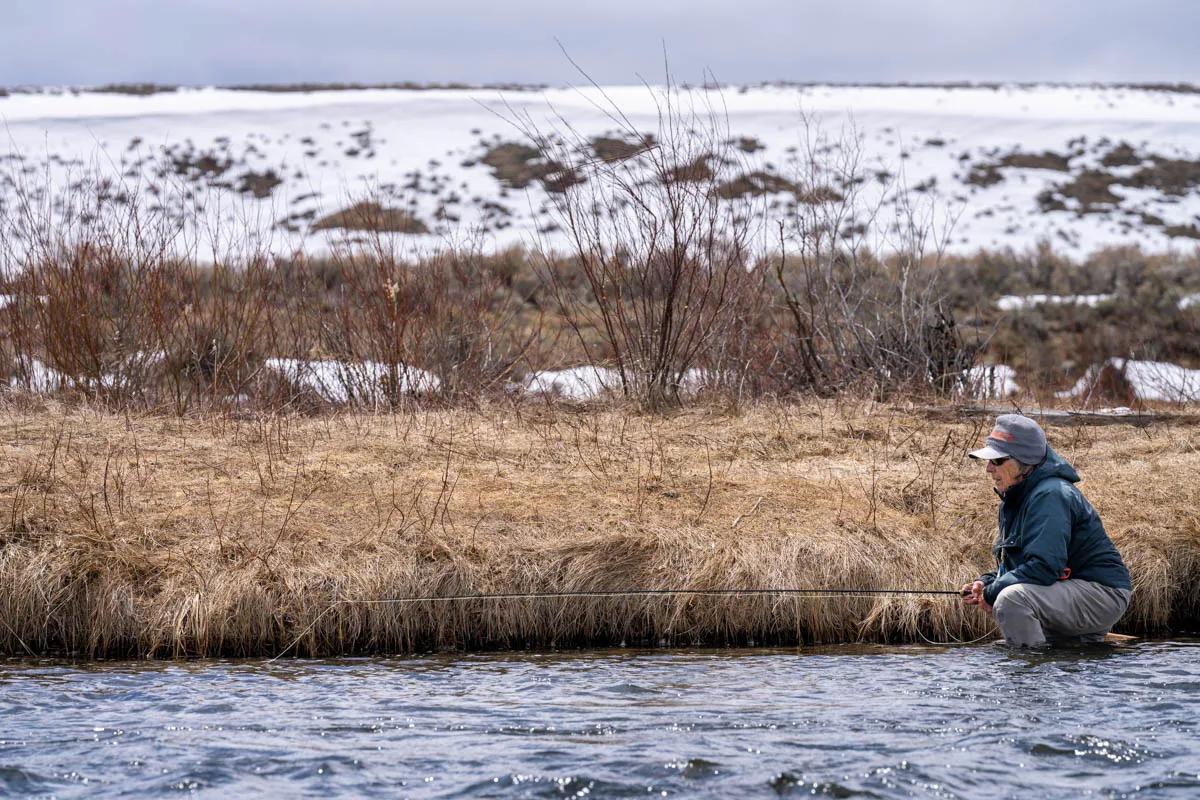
point(87, 42)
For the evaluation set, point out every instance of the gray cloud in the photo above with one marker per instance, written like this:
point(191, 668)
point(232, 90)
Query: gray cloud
point(221, 41)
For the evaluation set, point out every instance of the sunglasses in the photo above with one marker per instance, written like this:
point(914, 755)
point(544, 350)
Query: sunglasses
point(996, 462)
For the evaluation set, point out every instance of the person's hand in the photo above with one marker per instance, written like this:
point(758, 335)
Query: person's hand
point(973, 595)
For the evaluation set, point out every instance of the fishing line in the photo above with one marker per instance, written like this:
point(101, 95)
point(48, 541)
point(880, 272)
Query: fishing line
point(830, 592)
point(955, 641)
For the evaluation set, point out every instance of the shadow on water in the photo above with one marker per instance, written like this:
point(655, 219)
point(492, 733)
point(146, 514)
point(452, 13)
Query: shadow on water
point(1065, 653)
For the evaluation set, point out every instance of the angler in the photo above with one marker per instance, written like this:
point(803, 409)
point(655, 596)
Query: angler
point(1058, 578)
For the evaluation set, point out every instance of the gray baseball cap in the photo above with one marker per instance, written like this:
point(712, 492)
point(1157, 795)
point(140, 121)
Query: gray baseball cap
point(1014, 436)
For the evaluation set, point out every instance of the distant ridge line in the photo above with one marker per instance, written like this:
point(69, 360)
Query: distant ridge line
point(150, 88)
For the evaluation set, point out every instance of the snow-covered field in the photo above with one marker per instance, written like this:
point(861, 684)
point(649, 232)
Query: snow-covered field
point(1084, 167)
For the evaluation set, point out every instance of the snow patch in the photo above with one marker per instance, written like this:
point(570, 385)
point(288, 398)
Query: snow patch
point(1014, 302)
point(589, 382)
point(576, 383)
point(991, 381)
point(1116, 411)
point(345, 382)
point(37, 377)
point(7, 300)
point(1147, 380)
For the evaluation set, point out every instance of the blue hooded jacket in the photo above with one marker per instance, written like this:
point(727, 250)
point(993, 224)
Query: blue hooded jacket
point(1046, 525)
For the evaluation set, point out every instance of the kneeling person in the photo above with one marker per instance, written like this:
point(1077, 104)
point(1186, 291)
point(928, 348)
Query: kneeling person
point(1059, 578)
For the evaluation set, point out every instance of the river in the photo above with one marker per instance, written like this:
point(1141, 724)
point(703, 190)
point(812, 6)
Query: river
point(916, 721)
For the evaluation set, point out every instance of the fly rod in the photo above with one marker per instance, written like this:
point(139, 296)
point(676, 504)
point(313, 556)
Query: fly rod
point(643, 592)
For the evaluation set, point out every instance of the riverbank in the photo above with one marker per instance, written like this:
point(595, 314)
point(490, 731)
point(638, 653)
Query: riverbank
point(168, 537)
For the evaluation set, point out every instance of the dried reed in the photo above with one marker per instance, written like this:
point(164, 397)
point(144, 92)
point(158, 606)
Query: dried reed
point(214, 535)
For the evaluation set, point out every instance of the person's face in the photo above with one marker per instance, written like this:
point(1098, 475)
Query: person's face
point(1004, 475)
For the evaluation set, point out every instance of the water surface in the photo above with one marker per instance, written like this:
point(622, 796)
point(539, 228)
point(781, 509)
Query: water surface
point(965, 722)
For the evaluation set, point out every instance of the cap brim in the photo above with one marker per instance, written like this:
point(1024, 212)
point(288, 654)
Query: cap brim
point(987, 452)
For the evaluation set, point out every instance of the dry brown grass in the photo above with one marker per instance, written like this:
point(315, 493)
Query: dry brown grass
point(167, 536)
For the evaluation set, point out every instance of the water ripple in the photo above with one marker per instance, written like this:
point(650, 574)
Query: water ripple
point(828, 722)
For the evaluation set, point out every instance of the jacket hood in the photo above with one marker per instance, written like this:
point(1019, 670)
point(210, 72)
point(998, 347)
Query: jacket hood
point(1054, 466)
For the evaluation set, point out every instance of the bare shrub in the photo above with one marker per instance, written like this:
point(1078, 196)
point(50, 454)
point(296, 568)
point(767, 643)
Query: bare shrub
point(479, 329)
point(453, 314)
point(667, 267)
point(85, 279)
point(112, 299)
point(860, 272)
point(145, 308)
point(211, 326)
